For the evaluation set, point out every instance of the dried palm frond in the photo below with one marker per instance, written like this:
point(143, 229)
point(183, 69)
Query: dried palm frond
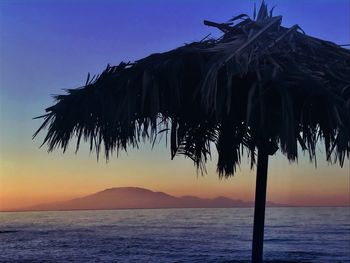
point(258, 83)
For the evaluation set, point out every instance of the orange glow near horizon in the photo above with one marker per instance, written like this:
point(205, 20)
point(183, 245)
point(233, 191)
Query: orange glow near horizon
point(44, 178)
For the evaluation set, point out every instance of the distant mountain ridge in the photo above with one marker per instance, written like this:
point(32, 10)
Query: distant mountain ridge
point(139, 198)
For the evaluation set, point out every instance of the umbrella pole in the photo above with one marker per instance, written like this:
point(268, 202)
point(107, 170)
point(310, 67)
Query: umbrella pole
point(260, 202)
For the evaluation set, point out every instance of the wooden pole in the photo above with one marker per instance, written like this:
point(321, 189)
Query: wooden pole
point(260, 203)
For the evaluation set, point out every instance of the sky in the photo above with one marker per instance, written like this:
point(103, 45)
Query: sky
point(47, 46)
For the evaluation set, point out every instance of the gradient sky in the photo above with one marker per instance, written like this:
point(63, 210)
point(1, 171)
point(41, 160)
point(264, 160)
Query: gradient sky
point(46, 46)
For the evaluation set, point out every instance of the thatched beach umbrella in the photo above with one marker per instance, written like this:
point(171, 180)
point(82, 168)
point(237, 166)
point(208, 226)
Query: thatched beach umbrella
point(258, 88)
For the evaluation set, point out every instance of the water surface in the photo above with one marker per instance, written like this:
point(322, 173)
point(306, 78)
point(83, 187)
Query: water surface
point(174, 235)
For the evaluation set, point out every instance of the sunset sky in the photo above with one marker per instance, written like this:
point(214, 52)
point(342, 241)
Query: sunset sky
point(46, 46)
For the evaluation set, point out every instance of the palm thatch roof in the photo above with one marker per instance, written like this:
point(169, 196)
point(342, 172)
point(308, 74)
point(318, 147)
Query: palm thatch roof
point(259, 83)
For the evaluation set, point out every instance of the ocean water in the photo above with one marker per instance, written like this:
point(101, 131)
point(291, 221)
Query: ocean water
point(174, 235)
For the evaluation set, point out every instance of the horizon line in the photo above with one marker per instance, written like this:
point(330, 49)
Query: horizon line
point(113, 209)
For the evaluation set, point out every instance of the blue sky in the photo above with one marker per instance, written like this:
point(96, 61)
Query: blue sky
point(50, 45)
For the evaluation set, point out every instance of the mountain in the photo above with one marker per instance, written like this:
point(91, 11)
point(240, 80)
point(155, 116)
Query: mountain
point(135, 198)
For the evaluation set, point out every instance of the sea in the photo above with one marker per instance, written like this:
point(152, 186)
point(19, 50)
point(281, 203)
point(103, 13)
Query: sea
point(292, 234)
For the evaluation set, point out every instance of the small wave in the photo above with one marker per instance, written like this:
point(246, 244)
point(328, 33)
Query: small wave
point(279, 240)
point(8, 231)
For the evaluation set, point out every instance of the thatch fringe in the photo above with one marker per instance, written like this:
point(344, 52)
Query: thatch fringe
point(260, 82)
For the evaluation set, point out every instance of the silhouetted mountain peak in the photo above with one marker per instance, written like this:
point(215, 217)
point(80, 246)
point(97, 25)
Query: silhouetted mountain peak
point(126, 189)
point(137, 197)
